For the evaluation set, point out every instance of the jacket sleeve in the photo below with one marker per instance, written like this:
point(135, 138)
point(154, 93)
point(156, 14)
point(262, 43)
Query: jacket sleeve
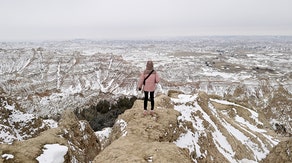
point(157, 79)
point(141, 79)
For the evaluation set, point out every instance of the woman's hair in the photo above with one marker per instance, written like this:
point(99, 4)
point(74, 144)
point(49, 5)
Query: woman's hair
point(149, 65)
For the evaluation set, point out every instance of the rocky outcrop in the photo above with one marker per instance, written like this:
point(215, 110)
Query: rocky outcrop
point(83, 144)
point(139, 138)
point(189, 128)
point(76, 135)
point(184, 128)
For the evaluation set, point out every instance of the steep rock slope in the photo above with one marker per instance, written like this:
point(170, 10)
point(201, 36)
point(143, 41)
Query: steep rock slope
point(267, 97)
point(76, 137)
point(222, 131)
point(206, 128)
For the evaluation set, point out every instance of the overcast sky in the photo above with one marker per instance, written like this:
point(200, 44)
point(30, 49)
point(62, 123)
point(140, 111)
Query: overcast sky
point(135, 19)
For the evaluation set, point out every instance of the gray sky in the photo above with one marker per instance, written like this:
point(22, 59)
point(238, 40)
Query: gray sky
point(135, 19)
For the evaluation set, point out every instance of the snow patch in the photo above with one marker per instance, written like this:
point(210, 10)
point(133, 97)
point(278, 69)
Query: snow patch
point(53, 153)
point(123, 124)
point(189, 140)
point(104, 133)
point(51, 123)
point(7, 156)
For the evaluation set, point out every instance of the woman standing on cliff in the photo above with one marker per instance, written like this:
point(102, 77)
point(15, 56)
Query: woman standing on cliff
point(148, 80)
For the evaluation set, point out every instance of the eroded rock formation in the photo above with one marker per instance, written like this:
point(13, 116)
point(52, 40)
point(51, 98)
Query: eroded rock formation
point(139, 138)
point(77, 135)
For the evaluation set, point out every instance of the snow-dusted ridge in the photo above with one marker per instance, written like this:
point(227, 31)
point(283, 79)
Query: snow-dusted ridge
point(227, 125)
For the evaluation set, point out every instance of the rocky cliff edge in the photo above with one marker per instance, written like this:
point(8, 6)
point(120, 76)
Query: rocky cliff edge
point(139, 138)
point(76, 138)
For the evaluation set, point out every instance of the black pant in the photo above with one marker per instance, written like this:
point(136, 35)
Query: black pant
point(146, 100)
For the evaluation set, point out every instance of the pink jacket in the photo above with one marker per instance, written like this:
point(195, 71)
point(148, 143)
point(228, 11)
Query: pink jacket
point(150, 82)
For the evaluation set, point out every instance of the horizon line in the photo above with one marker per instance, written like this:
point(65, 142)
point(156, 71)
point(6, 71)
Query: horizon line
point(142, 38)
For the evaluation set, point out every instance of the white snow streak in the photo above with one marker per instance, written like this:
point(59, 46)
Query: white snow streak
point(189, 108)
